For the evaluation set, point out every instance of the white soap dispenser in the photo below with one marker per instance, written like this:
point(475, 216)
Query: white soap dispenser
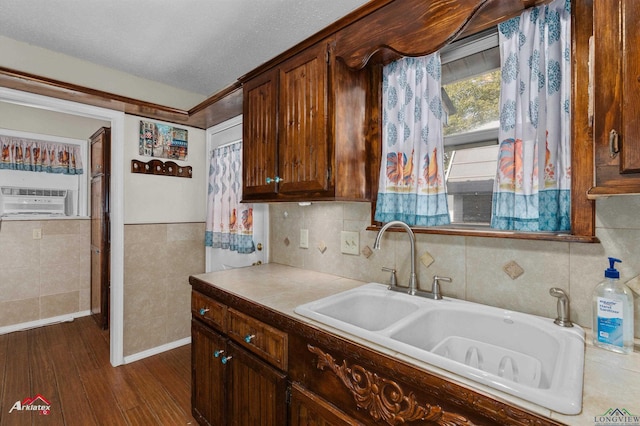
point(613, 312)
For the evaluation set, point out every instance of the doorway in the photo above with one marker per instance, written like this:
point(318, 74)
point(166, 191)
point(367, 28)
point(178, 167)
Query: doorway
point(116, 218)
point(217, 259)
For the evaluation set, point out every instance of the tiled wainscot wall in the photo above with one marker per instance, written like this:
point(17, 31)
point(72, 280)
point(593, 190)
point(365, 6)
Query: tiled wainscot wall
point(158, 260)
point(44, 269)
point(479, 267)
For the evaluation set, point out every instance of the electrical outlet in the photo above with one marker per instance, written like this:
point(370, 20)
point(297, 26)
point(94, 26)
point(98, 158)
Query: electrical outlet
point(350, 242)
point(37, 233)
point(304, 238)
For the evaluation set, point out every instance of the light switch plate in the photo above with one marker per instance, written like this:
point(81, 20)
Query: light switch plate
point(350, 242)
point(304, 238)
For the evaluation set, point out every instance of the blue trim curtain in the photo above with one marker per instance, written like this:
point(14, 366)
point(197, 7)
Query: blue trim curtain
point(532, 190)
point(229, 223)
point(40, 156)
point(412, 186)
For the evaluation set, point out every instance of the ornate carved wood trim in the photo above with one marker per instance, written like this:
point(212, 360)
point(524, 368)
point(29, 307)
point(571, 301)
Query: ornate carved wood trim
point(382, 398)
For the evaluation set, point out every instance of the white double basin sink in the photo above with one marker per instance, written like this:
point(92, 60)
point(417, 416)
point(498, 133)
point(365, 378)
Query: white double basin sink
point(524, 355)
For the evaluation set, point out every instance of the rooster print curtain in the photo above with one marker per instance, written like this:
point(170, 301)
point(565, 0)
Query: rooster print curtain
point(532, 190)
point(40, 156)
point(229, 223)
point(411, 186)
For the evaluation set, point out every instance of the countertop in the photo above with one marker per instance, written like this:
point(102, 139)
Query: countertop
point(611, 380)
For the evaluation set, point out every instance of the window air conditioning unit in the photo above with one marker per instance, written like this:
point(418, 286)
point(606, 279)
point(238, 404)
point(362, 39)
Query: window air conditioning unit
point(33, 201)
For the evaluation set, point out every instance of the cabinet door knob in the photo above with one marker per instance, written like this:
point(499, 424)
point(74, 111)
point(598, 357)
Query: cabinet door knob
point(204, 311)
point(225, 359)
point(218, 353)
point(248, 337)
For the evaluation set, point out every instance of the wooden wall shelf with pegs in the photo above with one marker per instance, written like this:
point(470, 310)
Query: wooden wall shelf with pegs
point(159, 167)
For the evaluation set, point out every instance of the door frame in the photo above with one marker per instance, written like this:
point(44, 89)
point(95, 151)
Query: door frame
point(116, 331)
point(263, 207)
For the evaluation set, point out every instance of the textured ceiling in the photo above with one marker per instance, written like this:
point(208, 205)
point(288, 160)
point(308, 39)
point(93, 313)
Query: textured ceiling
point(201, 46)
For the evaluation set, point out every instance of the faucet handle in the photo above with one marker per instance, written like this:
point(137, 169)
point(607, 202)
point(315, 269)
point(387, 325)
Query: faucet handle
point(563, 319)
point(392, 281)
point(435, 287)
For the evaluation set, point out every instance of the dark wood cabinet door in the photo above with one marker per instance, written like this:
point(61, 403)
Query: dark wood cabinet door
point(207, 371)
point(616, 94)
point(259, 146)
point(256, 391)
point(303, 154)
point(308, 409)
point(100, 241)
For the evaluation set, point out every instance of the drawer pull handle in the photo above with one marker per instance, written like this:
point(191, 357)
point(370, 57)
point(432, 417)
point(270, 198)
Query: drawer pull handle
point(248, 337)
point(204, 311)
point(614, 147)
point(218, 353)
point(226, 359)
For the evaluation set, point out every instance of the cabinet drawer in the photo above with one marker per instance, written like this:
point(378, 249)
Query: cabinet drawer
point(258, 337)
point(208, 310)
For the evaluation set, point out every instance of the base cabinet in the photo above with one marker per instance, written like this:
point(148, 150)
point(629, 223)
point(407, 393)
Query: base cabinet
point(231, 386)
point(207, 393)
point(253, 365)
point(256, 391)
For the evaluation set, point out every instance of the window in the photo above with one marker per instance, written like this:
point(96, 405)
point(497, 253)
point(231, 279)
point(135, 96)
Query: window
point(471, 96)
point(30, 194)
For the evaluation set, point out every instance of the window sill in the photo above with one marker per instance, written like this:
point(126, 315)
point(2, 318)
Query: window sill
point(465, 231)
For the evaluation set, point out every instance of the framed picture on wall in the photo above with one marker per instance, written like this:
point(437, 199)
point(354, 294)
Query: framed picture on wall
point(163, 141)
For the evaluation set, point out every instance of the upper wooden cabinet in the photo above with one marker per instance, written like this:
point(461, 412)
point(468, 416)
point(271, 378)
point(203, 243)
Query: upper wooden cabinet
point(306, 129)
point(259, 148)
point(616, 91)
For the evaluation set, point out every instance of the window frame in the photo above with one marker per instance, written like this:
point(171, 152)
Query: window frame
point(582, 208)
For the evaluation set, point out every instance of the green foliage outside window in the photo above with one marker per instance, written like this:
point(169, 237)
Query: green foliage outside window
point(476, 101)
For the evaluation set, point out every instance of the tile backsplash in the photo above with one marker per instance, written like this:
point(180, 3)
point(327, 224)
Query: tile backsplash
point(508, 273)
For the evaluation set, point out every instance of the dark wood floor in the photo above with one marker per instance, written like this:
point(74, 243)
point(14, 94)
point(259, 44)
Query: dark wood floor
point(68, 364)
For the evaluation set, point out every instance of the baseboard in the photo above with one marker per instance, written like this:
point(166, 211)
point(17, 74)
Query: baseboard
point(157, 350)
point(42, 322)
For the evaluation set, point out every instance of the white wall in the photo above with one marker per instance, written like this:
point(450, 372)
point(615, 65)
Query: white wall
point(164, 199)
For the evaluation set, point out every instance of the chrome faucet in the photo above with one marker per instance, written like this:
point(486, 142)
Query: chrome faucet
point(413, 280)
point(436, 294)
point(563, 307)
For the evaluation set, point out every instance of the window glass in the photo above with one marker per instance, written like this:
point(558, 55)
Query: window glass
point(471, 95)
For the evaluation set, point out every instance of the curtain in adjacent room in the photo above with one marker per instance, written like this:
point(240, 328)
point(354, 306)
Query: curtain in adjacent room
point(533, 182)
point(412, 187)
point(229, 223)
point(40, 156)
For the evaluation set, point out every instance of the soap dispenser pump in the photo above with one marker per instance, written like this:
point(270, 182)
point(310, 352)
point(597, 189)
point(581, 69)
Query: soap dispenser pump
point(613, 312)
